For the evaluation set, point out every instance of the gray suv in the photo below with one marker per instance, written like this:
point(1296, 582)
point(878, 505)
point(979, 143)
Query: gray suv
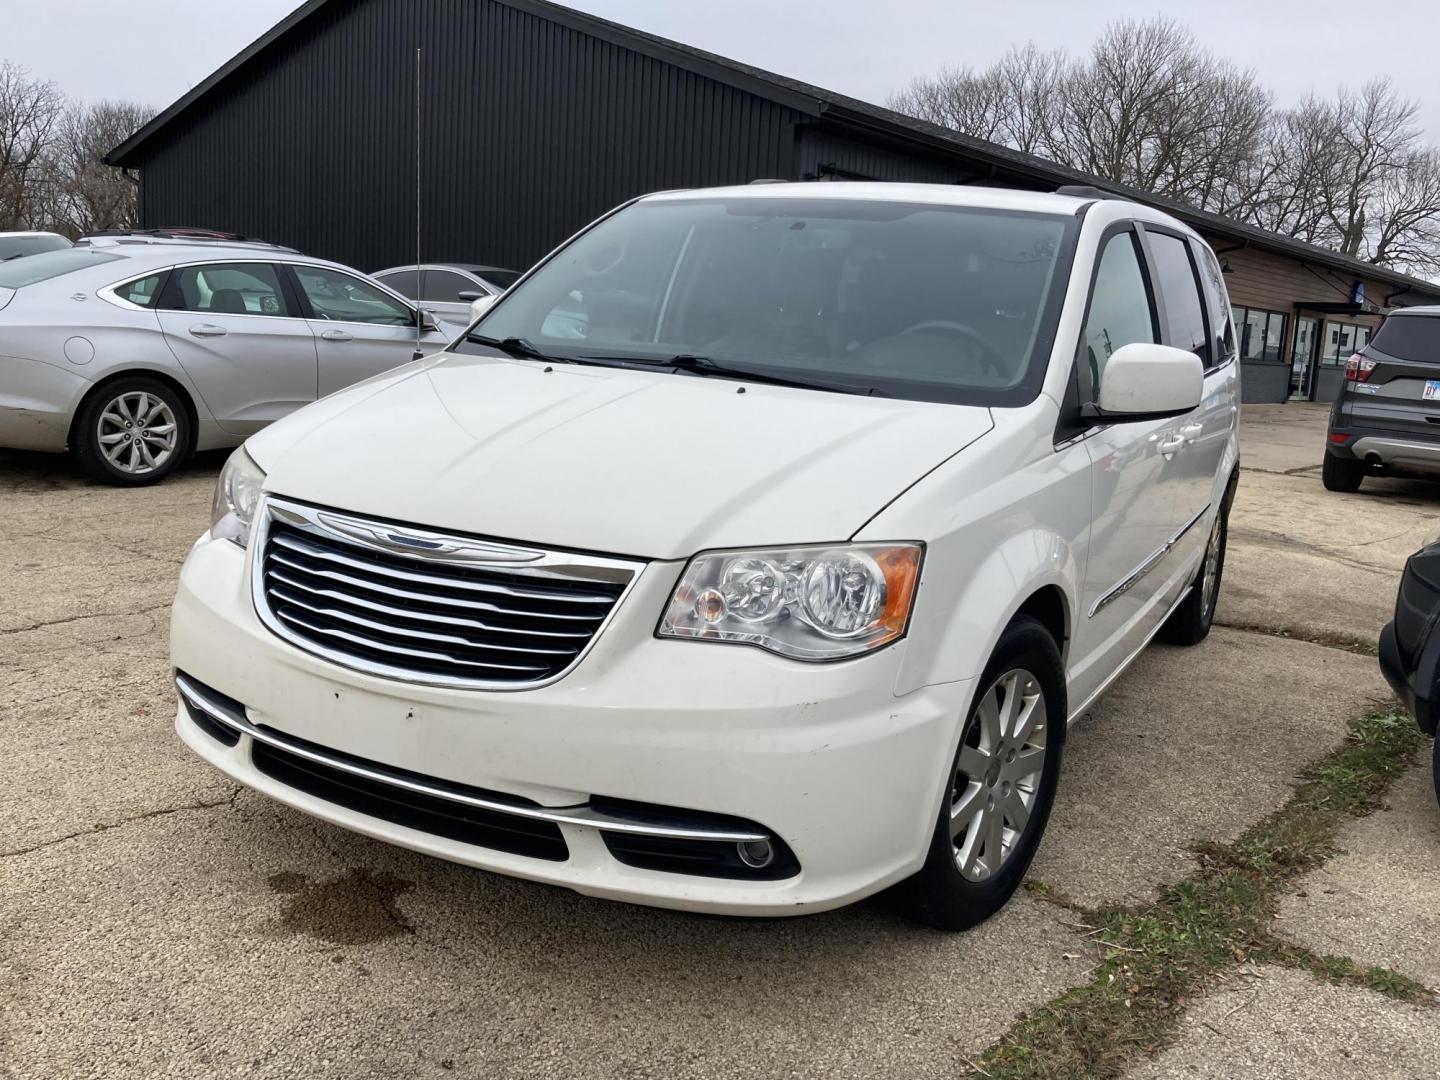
point(131, 352)
point(1386, 418)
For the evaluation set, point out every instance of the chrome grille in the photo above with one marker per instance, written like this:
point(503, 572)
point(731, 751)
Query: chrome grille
point(429, 607)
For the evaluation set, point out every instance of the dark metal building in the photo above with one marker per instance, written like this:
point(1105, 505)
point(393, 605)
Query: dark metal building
point(524, 120)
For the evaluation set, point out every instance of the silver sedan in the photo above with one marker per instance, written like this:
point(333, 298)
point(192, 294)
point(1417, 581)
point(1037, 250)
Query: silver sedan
point(132, 352)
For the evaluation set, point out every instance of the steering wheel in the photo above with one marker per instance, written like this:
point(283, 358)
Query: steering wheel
point(990, 358)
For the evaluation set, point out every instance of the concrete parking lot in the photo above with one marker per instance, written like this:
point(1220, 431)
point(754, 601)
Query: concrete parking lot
point(158, 921)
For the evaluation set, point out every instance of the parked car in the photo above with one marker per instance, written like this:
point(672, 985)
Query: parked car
point(13, 245)
point(777, 586)
point(132, 351)
point(1386, 418)
point(1410, 643)
point(448, 289)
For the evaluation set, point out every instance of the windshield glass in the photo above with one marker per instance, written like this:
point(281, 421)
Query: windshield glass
point(911, 300)
point(17, 273)
point(12, 247)
point(1409, 337)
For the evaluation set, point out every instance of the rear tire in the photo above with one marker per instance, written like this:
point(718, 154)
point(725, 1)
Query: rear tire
point(1342, 474)
point(1436, 766)
point(989, 783)
point(1189, 624)
point(135, 431)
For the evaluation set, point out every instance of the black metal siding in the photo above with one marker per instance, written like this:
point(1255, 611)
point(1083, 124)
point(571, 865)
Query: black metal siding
point(530, 130)
point(825, 155)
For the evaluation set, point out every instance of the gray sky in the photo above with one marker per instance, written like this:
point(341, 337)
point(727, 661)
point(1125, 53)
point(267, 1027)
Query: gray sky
point(154, 50)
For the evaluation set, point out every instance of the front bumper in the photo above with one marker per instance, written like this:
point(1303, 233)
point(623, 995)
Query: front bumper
point(824, 758)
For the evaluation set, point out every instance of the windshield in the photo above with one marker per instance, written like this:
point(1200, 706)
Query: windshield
point(17, 273)
point(1409, 337)
point(12, 247)
point(911, 300)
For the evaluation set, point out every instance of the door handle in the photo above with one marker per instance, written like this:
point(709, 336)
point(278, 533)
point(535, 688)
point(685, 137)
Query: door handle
point(1171, 445)
point(207, 330)
point(337, 335)
point(1192, 431)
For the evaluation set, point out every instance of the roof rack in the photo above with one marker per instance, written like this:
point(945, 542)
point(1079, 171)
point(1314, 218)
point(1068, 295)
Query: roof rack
point(1089, 191)
point(181, 234)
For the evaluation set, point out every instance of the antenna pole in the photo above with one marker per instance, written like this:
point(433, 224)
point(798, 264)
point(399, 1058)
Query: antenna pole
point(420, 312)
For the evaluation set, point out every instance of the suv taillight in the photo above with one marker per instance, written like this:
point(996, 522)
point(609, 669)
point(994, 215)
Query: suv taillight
point(1358, 367)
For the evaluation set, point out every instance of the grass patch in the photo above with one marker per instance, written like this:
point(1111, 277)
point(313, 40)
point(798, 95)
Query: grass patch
point(1153, 961)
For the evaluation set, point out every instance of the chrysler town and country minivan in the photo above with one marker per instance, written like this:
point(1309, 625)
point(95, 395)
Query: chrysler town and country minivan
point(752, 554)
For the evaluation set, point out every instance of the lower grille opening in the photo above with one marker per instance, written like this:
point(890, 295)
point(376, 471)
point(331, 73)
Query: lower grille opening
point(424, 813)
point(216, 730)
point(697, 858)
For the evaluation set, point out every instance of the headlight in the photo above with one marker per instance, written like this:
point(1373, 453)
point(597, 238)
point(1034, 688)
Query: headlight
point(237, 493)
point(811, 603)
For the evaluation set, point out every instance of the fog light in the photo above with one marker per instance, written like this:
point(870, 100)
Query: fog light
point(756, 854)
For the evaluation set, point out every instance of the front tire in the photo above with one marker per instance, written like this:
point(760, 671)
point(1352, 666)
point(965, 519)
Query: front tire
point(135, 431)
point(1342, 474)
point(1001, 786)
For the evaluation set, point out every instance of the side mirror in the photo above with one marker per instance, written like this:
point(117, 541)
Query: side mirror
point(470, 295)
point(1142, 381)
point(428, 320)
point(479, 306)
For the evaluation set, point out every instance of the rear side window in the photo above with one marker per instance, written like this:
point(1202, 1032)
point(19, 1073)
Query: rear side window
point(444, 287)
point(226, 289)
point(33, 269)
point(1409, 337)
point(405, 282)
point(1120, 308)
point(143, 293)
point(1184, 308)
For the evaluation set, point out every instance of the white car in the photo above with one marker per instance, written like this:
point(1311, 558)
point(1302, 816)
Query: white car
point(773, 581)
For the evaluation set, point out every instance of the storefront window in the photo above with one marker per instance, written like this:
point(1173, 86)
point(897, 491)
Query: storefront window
point(1261, 333)
point(1340, 340)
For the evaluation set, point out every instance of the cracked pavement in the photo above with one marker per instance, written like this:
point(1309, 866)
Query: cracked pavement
point(159, 921)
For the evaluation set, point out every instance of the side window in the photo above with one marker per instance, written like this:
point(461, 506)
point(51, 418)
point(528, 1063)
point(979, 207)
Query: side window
point(445, 287)
point(343, 298)
point(143, 293)
point(1184, 307)
point(1222, 326)
point(1120, 309)
point(226, 289)
point(405, 282)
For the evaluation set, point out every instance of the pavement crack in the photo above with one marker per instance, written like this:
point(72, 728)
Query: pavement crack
point(1290, 632)
point(164, 811)
point(47, 623)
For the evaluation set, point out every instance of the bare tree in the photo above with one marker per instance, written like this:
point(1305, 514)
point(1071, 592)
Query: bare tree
point(1147, 107)
point(82, 194)
point(29, 111)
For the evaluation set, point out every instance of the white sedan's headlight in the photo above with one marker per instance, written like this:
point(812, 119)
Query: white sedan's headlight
point(807, 603)
point(237, 493)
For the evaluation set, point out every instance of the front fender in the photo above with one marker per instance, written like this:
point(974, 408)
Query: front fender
point(1003, 519)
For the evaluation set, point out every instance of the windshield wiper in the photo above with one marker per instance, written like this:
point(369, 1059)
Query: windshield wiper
point(703, 365)
point(515, 346)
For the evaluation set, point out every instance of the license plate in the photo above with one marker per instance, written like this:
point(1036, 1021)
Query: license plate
point(1432, 390)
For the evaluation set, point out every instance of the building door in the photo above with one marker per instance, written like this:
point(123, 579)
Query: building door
point(1303, 354)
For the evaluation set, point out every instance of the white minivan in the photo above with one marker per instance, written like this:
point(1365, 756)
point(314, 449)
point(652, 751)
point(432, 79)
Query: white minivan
point(751, 555)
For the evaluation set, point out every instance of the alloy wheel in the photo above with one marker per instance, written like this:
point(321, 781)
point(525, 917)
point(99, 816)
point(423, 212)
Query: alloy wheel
point(1212, 569)
point(137, 432)
point(998, 774)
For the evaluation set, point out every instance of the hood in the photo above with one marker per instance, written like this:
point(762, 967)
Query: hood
point(623, 462)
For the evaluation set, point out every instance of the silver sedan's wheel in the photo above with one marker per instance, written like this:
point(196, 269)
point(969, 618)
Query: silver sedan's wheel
point(137, 432)
point(998, 774)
